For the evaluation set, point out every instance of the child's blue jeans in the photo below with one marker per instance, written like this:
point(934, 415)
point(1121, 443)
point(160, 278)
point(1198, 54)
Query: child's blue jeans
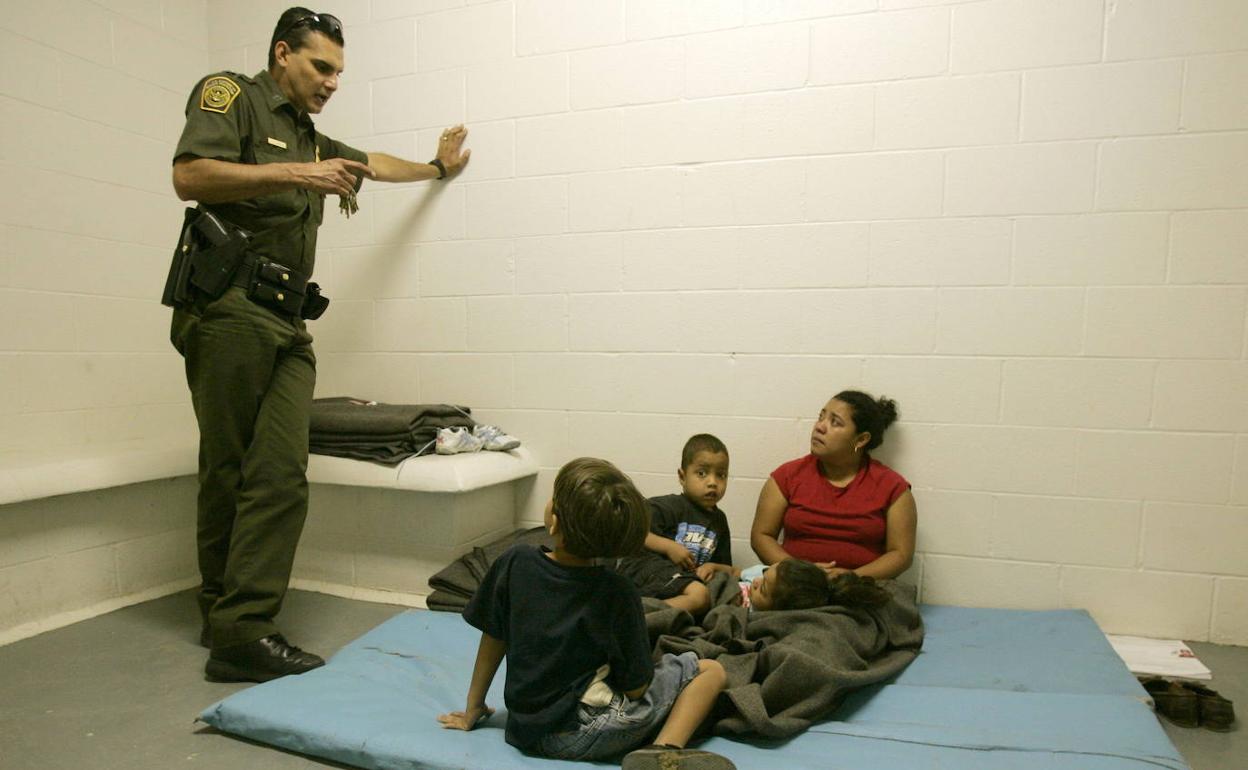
point(607, 731)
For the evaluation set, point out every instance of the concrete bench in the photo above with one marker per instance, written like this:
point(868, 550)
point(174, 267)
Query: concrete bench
point(86, 530)
point(379, 533)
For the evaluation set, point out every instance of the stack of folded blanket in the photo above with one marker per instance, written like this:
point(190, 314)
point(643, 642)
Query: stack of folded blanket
point(459, 580)
point(384, 433)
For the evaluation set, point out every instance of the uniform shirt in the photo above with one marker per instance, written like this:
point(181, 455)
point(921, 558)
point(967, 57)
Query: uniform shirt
point(235, 118)
point(704, 533)
point(828, 523)
point(560, 624)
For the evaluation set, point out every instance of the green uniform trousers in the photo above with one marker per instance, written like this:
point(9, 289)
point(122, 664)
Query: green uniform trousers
point(251, 374)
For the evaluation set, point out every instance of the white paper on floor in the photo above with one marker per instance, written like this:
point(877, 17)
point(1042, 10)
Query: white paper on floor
point(1159, 657)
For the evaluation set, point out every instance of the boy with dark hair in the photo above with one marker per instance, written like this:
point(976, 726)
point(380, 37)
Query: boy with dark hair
point(689, 540)
point(581, 683)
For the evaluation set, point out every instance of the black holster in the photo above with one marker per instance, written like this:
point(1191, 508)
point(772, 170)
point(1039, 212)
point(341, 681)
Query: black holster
point(208, 254)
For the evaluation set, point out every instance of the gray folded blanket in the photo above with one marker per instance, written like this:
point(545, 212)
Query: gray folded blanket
point(455, 583)
point(384, 433)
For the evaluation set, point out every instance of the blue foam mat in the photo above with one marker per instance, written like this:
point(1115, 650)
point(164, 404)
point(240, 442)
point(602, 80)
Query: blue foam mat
point(992, 690)
point(1060, 651)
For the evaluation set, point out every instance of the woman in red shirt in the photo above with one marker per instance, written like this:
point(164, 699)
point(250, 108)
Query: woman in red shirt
point(837, 506)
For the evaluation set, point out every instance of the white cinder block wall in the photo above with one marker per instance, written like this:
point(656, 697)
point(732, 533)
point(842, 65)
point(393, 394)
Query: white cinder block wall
point(89, 114)
point(90, 108)
point(1024, 221)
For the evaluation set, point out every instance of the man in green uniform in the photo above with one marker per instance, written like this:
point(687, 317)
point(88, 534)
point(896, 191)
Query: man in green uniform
point(251, 156)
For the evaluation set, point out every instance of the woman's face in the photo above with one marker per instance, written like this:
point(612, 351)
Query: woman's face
point(835, 434)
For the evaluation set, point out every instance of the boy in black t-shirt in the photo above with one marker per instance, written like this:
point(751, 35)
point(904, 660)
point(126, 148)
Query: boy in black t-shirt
point(689, 539)
point(581, 683)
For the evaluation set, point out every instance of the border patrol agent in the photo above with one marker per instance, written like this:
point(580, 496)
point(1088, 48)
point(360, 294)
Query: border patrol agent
point(252, 158)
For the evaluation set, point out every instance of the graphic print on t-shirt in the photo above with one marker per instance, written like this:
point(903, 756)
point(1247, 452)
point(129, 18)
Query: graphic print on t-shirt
point(698, 539)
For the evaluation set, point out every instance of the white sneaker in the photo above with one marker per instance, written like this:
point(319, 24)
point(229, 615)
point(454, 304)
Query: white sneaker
point(453, 441)
point(494, 439)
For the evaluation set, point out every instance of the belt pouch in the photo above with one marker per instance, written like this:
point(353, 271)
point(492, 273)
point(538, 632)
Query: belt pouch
point(176, 293)
point(277, 286)
point(314, 303)
point(273, 297)
point(280, 276)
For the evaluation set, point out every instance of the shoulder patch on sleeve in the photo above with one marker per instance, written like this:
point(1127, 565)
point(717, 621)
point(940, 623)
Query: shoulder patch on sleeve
point(218, 94)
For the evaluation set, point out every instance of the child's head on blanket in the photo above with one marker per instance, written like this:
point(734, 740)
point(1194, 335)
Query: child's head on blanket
point(794, 584)
point(596, 511)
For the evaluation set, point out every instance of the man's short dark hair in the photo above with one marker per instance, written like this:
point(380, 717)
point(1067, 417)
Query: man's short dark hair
point(601, 513)
point(295, 24)
point(703, 442)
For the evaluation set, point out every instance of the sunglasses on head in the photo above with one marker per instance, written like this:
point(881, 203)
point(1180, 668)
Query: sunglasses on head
point(320, 22)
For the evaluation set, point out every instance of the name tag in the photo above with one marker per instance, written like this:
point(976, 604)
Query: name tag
point(277, 143)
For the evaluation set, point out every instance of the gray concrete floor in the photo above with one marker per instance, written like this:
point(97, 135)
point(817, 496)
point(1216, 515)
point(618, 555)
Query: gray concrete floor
point(122, 691)
point(1204, 749)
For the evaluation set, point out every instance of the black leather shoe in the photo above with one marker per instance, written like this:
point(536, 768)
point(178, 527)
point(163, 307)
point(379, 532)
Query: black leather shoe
point(205, 636)
point(660, 757)
point(259, 661)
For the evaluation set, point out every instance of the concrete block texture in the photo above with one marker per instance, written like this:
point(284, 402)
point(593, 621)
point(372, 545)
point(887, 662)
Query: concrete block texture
point(1195, 538)
point(634, 73)
point(1024, 221)
point(1182, 172)
point(1172, 467)
point(1173, 322)
point(543, 26)
point(880, 46)
point(1157, 28)
point(1239, 484)
point(1102, 100)
point(72, 556)
point(1209, 247)
point(765, 58)
point(1211, 102)
point(1229, 624)
point(989, 583)
point(1141, 603)
point(646, 19)
point(1091, 249)
point(1103, 533)
point(1078, 392)
point(954, 523)
point(1016, 34)
point(390, 540)
point(947, 112)
point(462, 37)
point(1053, 178)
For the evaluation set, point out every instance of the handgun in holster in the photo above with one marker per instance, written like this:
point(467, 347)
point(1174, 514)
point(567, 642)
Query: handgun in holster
point(208, 253)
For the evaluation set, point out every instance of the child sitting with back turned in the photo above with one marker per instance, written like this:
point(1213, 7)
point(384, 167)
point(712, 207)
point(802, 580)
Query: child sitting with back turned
point(581, 683)
point(689, 539)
